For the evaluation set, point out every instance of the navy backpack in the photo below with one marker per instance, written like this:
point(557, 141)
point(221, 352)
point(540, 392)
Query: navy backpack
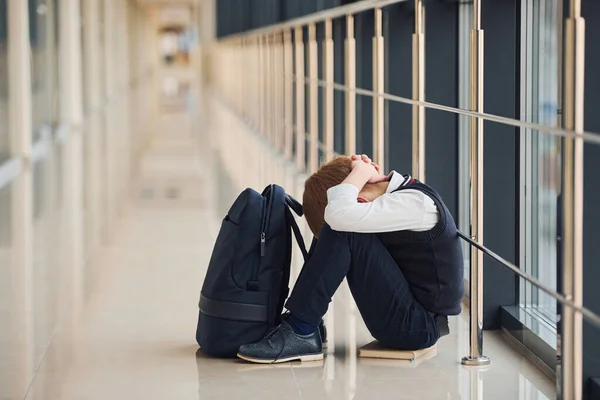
point(247, 280)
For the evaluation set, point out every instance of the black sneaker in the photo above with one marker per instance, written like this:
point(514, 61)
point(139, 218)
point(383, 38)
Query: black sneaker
point(282, 344)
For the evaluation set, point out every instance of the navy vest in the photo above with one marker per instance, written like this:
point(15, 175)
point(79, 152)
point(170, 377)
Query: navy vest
point(431, 261)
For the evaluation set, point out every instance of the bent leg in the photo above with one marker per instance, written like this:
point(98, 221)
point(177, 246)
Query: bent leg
point(320, 277)
point(384, 299)
point(380, 290)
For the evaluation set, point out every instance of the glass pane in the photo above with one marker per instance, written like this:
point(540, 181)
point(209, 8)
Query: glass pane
point(4, 122)
point(44, 53)
point(541, 154)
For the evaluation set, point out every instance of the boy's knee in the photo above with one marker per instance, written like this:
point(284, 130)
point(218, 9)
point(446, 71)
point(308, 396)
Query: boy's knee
point(327, 232)
point(352, 238)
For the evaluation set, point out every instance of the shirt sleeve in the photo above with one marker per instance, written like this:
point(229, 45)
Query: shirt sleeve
point(405, 210)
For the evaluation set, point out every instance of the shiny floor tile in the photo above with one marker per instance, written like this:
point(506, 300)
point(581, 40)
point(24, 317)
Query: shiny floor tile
point(135, 336)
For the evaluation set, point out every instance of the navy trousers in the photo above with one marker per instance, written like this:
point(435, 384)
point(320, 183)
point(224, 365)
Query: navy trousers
point(376, 282)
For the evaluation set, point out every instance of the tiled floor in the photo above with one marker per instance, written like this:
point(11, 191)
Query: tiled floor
point(135, 338)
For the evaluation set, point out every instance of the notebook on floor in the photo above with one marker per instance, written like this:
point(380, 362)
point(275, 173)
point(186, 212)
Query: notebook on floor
point(375, 350)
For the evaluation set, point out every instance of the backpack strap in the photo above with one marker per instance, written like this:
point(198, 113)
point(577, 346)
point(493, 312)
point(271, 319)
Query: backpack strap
point(297, 234)
point(294, 205)
point(284, 291)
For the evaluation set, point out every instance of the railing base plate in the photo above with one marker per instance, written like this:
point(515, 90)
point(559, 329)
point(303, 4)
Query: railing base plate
point(476, 362)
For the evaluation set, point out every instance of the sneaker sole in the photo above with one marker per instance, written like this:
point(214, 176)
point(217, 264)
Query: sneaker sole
point(307, 357)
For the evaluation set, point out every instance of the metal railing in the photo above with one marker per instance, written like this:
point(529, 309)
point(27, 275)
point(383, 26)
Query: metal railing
point(270, 62)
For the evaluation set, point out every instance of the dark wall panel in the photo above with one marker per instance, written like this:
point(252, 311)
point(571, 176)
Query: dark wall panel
point(441, 86)
point(500, 21)
point(398, 29)
point(222, 17)
point(296, 8)
point(3, 21)
point(291, 9)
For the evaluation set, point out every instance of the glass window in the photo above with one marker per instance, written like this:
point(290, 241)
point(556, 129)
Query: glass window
point(540, 154)
point(4, 115)
point(44, 62)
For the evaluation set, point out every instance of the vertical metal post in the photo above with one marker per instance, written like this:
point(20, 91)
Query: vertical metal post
point(328, 93)
point(418, 86)
point(299, 76)
point(570, 341)
point(288, 92)
point(250, 75)
point(272, 79)
point(239, 75)
point(350, 67)
point(124, 97)
point(250, 94)
point(91, 9)
point(255, 53)
point(71, 96)
point(153, 56)
point(279, 83)
point(239, 49)
point(235, 81)
point(109, 161)
point(378, 88)
point(243, 77)
point(476, 357)
point(21, 208)
point(268, 82)
point(313, 111)
point(261, 86)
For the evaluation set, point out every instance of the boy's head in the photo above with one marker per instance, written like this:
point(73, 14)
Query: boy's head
point(315, 190)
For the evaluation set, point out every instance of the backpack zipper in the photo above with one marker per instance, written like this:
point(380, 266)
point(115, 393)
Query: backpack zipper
point(263, 233)
point(263, 236)
point(264, 223)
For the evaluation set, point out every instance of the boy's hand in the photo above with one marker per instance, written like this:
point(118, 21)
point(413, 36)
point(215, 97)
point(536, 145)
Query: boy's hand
point(373, 177)
point(363, 172)
point(359, 166)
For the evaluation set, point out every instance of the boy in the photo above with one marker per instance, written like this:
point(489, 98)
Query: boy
point(394, 240)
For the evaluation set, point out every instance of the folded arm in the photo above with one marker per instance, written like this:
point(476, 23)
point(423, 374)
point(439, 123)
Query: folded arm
point(405, 210)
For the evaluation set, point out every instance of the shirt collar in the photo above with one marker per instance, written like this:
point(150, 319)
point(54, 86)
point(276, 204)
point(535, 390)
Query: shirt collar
point(396, 181)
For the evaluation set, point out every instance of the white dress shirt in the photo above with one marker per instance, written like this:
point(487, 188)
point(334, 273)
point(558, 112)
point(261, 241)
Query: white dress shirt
point(408, 209)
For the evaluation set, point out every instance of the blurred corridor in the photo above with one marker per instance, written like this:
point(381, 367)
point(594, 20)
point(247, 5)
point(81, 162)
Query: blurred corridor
point(140, 121)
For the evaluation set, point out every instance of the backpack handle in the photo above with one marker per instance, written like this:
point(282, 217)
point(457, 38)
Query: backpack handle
point(294, 205)
point(290, 201)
